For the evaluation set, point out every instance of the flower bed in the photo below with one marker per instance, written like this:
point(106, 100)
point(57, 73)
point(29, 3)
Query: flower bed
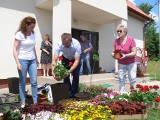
point(105, 104)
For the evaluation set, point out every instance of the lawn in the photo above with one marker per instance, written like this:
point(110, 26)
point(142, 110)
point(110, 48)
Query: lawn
point(153, 70)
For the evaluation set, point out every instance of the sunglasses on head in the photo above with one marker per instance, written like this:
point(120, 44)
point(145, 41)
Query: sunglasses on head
point(119, 31)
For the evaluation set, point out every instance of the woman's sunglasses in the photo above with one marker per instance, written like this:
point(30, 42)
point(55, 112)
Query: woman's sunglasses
point(119, 31)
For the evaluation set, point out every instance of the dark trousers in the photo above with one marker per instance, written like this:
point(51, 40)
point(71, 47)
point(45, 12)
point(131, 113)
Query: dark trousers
point(73, 88)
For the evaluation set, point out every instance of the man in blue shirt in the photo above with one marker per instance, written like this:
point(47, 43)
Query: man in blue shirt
point(71, 50)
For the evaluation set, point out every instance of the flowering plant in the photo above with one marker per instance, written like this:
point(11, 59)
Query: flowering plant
point(87, 111)
point(60, 70)
point(146, 94)
point(127, 108)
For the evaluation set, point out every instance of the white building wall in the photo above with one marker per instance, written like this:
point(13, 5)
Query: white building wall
point(61, 19)
point(106, 36)
point(84, 25)
point(135, 29)
point(110, 6)
point(11, 14)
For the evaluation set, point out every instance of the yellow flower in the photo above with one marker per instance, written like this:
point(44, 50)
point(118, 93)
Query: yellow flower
point(112, 116)
point(109, 111)
point(107, 107)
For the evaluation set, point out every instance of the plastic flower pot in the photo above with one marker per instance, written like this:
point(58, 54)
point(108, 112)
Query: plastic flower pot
point(57, 77)
point(42, 98)
point(60, 91)
point(13, 85)
point(117, 55)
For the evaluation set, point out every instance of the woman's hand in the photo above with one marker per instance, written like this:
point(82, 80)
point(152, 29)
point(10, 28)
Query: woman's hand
point(19, 66)
point(123, 56)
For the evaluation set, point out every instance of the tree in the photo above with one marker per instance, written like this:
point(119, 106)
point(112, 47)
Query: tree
point(151, 35)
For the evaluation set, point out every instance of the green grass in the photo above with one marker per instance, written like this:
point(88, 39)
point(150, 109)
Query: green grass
point(153, 69)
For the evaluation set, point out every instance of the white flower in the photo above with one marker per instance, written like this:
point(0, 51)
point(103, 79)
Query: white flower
point(57, 117)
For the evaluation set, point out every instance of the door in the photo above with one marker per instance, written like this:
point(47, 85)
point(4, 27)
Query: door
point(94, 38)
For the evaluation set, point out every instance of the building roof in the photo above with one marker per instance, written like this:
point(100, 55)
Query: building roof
point(134, 9)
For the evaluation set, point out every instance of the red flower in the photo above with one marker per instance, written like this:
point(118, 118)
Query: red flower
point(145, 88)
point(70, 63)
point(155, 87)
point(157, 99)
point(60, 57)
point(131, 87)
point(139, 86)
point(150, 87)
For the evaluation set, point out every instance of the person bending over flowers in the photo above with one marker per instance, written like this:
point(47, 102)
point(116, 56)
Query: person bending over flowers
point(71, 50)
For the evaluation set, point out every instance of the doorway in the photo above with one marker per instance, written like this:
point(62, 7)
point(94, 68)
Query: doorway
point(94, 38)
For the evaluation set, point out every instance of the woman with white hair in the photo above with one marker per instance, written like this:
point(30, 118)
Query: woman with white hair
point(126, 46)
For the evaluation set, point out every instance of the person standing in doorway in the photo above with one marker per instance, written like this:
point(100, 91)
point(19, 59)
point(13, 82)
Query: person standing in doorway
point(46, 55)
point(86, 47)
point(25, 57)
point(71, 50)
point(127, 62)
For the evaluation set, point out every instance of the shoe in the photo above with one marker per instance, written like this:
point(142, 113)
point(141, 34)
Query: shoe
point(22, 105)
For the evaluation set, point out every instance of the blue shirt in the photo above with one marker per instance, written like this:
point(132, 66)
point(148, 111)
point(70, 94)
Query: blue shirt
point(71, 52)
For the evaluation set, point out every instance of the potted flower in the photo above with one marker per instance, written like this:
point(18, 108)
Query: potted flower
point(60, 70)
point(117, 54)
point(157, 105)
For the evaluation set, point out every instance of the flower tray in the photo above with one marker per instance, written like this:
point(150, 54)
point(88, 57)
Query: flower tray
point(154, 105)
point(134, 116)
point(2, 98)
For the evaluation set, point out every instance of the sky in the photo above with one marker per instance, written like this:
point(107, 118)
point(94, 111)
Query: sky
point(154, 3)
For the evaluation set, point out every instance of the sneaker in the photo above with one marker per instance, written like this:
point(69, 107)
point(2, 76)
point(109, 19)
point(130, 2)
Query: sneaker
point(22, 105)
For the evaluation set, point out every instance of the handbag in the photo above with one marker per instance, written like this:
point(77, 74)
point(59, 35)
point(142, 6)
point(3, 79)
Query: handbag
point(141, 70)
point(142, 61)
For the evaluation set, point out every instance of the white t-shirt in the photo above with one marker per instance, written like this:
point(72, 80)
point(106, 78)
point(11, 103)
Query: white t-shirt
point(26, 47)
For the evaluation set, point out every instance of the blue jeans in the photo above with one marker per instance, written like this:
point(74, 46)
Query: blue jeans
point(131, 70)
point(86, 58)
point(29, 66)
point(73, 88)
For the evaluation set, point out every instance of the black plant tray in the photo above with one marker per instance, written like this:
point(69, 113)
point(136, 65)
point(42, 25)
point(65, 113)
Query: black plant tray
point(11, 105)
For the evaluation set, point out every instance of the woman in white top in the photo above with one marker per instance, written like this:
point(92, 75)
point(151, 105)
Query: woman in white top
point(25, 56)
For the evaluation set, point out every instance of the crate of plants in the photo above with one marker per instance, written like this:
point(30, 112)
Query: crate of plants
point(2, 98)
point(128, 110)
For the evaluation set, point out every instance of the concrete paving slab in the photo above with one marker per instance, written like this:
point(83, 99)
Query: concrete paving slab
point(97, 79)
